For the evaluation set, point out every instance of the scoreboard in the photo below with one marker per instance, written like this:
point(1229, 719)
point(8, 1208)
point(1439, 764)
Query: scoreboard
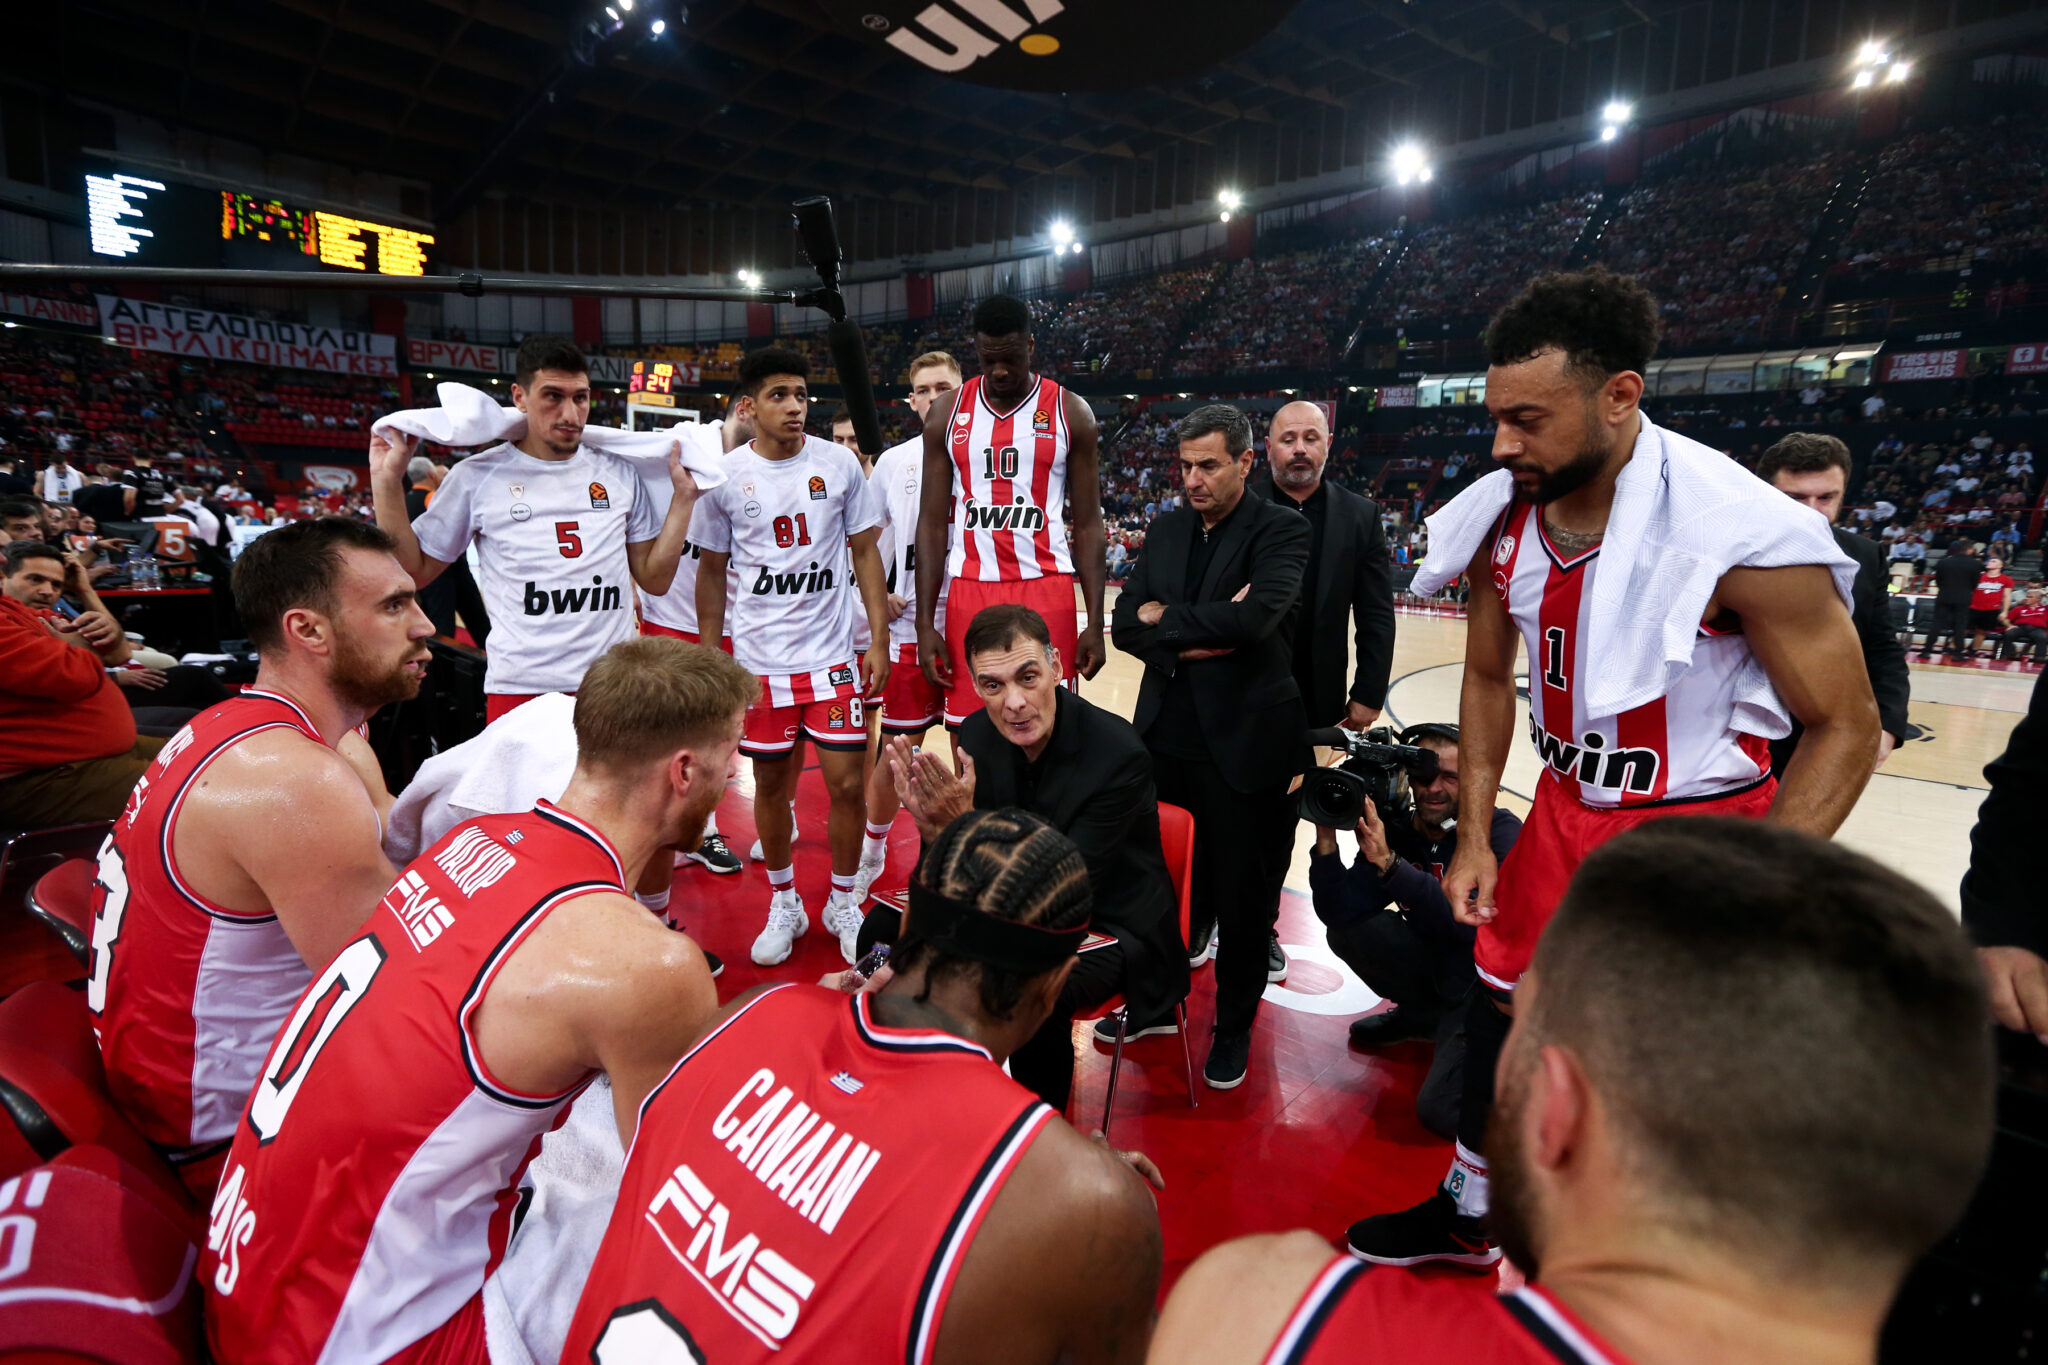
point(139, 219)
point(653, 383)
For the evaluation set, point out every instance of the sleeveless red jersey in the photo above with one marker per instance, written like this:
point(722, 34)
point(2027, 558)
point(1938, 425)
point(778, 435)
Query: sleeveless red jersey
point(807, 1181)
point(186, 995)
point(1356, 1311)
point(370, 1187)
point(1682, 746)
point(1009, 486)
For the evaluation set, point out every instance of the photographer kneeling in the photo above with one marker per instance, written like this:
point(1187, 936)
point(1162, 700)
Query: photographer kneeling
point(1386, 914)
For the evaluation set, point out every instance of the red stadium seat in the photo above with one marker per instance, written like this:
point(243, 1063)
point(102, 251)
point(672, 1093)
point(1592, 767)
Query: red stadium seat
point(53, 1090)
point(62, 899)
point(105, 1266)
point(1177, 840)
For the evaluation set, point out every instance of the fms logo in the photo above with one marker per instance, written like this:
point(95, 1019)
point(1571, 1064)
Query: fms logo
point(1062, 44)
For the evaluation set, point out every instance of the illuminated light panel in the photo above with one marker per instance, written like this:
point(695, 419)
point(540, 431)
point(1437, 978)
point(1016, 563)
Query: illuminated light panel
point(399, 250)
point(109, 199)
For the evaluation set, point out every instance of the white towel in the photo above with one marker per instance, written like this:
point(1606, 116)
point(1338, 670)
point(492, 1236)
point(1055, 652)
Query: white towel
point(525, 756)
point(1684, 514)
point(471, 417)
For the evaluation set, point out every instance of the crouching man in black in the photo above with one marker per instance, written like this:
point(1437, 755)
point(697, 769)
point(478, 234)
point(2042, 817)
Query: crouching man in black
point(1388, 919)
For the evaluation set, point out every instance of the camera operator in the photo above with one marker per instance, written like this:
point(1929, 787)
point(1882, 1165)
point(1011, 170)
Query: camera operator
point(1388, 919)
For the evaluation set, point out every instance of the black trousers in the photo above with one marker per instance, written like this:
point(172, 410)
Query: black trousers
point(2019, 638)
point(1953, 624)
point(1243, 841)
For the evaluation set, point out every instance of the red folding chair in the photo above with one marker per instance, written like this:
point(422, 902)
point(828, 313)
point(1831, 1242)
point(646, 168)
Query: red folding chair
point(1177, 840)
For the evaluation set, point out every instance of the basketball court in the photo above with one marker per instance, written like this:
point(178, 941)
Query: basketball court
point(1322, 1133)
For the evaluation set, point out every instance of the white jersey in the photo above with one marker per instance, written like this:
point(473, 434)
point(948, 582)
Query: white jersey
point(551, 539)
point(785, 524)
point(899, 479)
point(676, 609)
point(1009, 486)
point(1682, 746)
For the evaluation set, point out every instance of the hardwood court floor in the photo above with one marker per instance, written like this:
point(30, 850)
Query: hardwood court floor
point(1322, 1133)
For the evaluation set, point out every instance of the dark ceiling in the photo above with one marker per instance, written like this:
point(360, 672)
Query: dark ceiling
point(751, 102)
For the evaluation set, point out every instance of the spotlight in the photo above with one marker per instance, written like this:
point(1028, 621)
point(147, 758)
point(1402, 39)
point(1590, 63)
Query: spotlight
point(1061, 232)
point(613, 13)
point(1617, 111)
point(749, 280)
point(1609, 133)
point(1409, 163)
point(1872, 53)
point(1863, 80)
point(1226, 218)
point(1898, 73)
point(626, 5)
point(659, 27)
point(1230, 199)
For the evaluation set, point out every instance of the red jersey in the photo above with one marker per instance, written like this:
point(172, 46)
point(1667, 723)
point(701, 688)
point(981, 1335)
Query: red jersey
point(1009, 486)
point(370, 1187)
point(1682, 746)
point(2036, 615)
point(802, 1188)
point(1356, 1311)
point(186, 994)
point(1989, 594)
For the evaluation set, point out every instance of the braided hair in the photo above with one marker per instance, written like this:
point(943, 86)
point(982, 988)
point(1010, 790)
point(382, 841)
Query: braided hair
point(1007, 863)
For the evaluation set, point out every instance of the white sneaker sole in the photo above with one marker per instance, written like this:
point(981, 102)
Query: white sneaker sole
point(1226, 1085)
point(708, 865)
point(1478, 1260)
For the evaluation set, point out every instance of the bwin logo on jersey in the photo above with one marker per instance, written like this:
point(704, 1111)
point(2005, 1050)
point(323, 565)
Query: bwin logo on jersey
point(541, 601)
point(1022, 516)
point(774, 584)
point(1633, 770)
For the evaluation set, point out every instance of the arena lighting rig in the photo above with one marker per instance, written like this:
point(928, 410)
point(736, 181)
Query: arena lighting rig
point(816, 228)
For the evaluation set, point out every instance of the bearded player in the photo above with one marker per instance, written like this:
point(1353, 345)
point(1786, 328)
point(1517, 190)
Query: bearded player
point(1004, 463)
point(789, 512)
point(249, 852)
point(1721, 616)
point(911, 705)
point(374, 1174)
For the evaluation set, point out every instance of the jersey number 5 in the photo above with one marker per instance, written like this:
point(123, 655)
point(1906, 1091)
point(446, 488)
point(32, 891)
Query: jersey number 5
point(567, 541)
point(325, 1004)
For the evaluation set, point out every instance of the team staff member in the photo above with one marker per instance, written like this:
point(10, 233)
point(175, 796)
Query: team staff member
point(1988, 601)
point(455, 590)
point(1036, 746)
point(359, 1216)
point(1749, 586)
point(1210, 609)
point(69, 751)
point(2029, 617)
point(249, 852)
point(892, 1225)
point(911, 705)
point(560, 530)
point(2003, 907)
point(1418, 956)
point(1672, 1200)
point(1003, 462)
point(1814, 470)
point(1956, 575)
point(783, 519)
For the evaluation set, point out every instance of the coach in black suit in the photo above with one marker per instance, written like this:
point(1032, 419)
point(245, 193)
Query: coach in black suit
point(1347, 587)
point(1036, 746)
point(1211, 611)
point(1814, 469)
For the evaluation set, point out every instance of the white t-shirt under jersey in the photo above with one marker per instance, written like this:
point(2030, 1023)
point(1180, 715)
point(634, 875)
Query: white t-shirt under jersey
point(551, 539)
point(899, 479)
point(785, 523)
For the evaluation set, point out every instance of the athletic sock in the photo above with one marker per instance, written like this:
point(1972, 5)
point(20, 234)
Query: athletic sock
point(657, 901)
point(875, 845)
point(782, 878)
point(1467, 1182)
point(842, 884)
point(711, 825)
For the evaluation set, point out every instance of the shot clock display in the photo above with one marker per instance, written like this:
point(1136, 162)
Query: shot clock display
point(139, 218)
point(652, 384)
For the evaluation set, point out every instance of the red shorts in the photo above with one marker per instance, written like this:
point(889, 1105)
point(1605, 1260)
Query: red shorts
point(825, 705)
point(1555, 839)
point(910, 704)
point(497, 704)
point(1051, 597)
point(649, 628)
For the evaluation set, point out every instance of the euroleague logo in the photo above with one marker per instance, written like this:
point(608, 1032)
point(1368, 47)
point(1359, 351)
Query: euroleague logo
point(1060, 45)
point(599, 498)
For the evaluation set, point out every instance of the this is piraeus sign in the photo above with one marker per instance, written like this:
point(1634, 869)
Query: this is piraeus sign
point(1062, 44)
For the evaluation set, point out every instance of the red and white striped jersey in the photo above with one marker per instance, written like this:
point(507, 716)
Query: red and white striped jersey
point(1410, 1319)
point(1683, 746)
point(785, 524)
point(792, 1186)
point(371, 1183)
point(1009, 486)
point(186, 994)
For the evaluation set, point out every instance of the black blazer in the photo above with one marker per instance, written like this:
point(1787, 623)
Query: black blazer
point(2004, 904)
point(1884, 658)
point(1096, 788)
point(1354, 587)
point(1249, 704)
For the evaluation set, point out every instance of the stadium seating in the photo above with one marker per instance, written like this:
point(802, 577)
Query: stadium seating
point(62, 899)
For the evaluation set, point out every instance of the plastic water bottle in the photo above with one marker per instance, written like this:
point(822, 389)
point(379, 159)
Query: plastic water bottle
point(152, 574)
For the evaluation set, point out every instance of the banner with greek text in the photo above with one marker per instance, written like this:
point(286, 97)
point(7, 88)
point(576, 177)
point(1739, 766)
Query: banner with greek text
point(64, 314)
point(423, 353)
point(177, 330)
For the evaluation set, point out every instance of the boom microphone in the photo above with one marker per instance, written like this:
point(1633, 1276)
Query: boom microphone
point(817, 229)
point(850, 358)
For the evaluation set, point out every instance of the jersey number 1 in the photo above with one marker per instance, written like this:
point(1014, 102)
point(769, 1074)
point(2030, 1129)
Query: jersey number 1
point(326, 1003)
point(1553, 657)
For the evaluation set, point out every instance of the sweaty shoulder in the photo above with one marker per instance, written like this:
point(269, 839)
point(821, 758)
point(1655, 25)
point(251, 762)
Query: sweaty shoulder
point(286, 766)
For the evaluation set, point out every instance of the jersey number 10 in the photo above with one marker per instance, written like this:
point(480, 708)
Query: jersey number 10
point(999, 463)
